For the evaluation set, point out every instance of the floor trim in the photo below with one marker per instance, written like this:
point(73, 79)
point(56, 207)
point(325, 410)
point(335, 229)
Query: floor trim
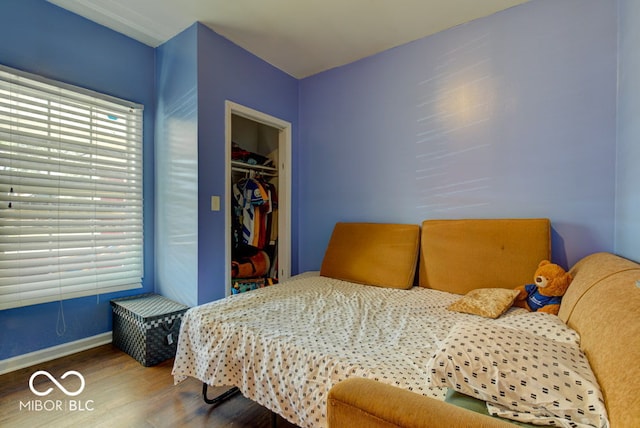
point(48, 354)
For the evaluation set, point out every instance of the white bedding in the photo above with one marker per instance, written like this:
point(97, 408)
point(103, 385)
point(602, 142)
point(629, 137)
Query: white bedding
point(286, 345)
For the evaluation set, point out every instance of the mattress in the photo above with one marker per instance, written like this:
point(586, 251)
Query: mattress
point(286, 345)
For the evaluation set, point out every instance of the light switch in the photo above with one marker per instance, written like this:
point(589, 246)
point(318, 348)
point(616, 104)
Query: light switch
point(215, 203)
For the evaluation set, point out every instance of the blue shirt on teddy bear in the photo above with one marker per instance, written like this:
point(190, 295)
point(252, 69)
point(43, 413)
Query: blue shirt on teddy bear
point(535, 300)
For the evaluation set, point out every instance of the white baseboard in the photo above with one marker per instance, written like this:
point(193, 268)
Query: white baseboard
point(48, 354)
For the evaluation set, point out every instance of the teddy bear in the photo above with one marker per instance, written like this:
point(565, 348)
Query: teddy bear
point(550, 283)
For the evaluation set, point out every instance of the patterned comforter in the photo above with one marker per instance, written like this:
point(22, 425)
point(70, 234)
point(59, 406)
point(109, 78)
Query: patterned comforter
point(286, 345)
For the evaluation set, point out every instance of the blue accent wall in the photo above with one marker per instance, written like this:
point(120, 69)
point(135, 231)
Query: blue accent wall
point(199, 70)
point(512, 115)
point(38, 37)
point(228, 72)
point(628, 162)
point(176, 165)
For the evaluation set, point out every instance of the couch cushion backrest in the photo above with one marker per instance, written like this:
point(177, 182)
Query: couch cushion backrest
point(461, 255)
point(384, 255)
point(603, 305)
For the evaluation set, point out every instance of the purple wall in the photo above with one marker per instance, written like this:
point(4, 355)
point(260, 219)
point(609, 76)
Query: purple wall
point(512, 115)
point(41, 38)
point(628, 173)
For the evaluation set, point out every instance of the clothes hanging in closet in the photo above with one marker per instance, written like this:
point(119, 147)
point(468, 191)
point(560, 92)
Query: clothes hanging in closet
point(254, 202)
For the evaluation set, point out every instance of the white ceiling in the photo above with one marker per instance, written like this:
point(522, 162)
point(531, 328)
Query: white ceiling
point(300, 37)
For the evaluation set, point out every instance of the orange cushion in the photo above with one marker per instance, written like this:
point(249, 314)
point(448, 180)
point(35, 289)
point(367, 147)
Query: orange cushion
point(383, 255)
point(461, 255)
point(603, 305)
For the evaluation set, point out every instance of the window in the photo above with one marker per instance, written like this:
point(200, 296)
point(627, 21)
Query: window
point(70, 191)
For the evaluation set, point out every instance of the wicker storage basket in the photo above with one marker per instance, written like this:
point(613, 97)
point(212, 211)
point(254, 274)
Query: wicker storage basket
point(147, 326)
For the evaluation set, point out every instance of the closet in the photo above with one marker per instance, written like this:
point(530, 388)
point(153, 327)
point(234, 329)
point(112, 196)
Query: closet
point(256, 214)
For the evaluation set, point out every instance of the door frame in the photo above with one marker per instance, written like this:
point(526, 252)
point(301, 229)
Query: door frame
point(284, 186)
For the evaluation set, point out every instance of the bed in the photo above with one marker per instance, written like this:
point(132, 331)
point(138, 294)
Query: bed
point(364, 314)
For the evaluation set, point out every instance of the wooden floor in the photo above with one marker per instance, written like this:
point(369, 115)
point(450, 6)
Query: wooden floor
point(119, 392)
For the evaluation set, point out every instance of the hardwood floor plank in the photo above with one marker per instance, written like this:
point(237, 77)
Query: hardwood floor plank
point(119, 392)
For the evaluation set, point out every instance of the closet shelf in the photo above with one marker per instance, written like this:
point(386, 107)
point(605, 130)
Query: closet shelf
point(246, 167)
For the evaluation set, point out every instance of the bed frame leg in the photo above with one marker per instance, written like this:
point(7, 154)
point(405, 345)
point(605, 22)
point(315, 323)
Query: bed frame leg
point(220, 398)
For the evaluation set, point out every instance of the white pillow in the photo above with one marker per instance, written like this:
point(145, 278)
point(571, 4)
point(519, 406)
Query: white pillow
point(520, 375)
point(540, 324)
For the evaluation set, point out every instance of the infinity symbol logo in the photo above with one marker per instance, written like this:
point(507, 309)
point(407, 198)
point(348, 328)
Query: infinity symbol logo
point(52, 379)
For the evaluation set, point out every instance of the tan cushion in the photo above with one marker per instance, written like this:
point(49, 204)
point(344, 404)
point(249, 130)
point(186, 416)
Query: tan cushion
point(461, 255)
point(378, 254)
point(486, 302)
point(365, 403)
point(603, 305)
point(590, 270)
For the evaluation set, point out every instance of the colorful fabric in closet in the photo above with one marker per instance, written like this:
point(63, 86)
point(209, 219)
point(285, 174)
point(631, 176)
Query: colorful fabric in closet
point(254, 202)
point(242, 155)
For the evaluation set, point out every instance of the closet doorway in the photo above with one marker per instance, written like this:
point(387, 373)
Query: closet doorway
point(257, 199)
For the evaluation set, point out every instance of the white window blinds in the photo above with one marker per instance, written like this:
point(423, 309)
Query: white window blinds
point(70, 191)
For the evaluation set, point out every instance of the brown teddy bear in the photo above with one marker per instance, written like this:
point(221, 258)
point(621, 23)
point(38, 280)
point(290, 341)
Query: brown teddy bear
point(551, 282)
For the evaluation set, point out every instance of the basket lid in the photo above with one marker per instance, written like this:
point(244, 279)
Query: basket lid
point(149, 305)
